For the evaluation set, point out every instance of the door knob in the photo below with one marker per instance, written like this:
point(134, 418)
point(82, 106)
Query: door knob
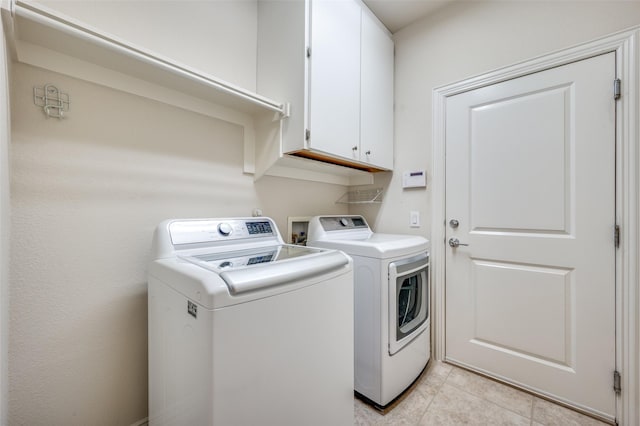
point(454, 242)
point(454, 223)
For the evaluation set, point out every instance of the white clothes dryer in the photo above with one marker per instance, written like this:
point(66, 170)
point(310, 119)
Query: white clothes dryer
point(391, 301)
point(247, 330)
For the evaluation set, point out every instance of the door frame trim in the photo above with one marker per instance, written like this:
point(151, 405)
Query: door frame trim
point(626, 45)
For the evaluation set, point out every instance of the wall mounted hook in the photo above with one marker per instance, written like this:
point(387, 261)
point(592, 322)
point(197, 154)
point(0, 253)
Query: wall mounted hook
point(53, 102)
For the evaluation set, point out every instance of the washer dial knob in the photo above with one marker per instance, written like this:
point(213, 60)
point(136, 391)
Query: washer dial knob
point(344, 221)
point(224, 229)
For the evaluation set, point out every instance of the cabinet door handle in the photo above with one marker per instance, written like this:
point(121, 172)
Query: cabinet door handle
point(355, 148)
point(368, 152)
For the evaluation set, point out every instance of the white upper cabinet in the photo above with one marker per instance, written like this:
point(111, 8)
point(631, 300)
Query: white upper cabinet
point(333, 61)
point(334, 78)
point(376, 88)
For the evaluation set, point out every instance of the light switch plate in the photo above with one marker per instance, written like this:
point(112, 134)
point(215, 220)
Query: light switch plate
point(414, 219)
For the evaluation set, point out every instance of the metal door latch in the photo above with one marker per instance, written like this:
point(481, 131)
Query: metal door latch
point(454, 242)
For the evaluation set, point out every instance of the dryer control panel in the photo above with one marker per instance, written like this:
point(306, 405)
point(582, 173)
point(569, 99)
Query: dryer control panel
point(341, 223)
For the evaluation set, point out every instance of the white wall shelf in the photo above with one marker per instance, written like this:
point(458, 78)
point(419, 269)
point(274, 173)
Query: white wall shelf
point(34, 25)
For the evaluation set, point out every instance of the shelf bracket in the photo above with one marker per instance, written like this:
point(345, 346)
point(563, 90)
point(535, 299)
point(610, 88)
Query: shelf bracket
point(286, 110)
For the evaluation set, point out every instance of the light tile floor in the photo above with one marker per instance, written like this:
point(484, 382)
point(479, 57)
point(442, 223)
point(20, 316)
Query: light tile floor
point(447, 395)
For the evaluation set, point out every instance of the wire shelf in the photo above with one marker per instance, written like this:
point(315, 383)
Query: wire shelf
point(362, 196)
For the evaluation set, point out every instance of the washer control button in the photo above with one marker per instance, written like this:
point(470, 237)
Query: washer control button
point(225, 229)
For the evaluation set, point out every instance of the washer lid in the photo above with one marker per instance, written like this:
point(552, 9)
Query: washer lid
point(221, 261)
point(264, 267)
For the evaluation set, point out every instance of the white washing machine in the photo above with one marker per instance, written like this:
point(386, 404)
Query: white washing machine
point(245, 330)
point(391, 273)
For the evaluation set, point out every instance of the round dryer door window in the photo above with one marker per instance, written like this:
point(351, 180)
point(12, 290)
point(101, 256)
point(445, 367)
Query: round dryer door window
point(409, 304)
point(409, 300)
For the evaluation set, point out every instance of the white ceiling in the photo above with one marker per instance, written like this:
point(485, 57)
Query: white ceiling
point(396, 14)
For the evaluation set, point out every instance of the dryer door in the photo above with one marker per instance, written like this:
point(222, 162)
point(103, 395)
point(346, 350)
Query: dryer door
point(408, 300)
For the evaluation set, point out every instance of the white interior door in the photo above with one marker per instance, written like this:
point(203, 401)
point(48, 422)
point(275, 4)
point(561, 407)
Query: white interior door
point(530, 178)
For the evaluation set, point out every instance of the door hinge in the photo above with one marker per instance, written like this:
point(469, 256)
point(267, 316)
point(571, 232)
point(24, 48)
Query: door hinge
point(617, 88)
point(617, 386)
point(616, 236)
point(308, 52)
point(307, 134)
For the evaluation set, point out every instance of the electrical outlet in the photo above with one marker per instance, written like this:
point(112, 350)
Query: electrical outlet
point(414, 219)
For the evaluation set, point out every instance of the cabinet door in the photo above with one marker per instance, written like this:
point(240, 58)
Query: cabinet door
point(334, 78)
point(376, 125)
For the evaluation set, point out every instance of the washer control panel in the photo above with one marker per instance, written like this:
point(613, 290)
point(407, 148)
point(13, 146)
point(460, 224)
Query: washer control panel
point(219, 230)
point(262, 227)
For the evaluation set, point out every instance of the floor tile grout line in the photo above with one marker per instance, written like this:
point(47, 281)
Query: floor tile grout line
point(438, 390)
point(534, 396)
point(426, 408)
point(415, 417)
point(489, 401)
point(495, 403)
point(492, 403)
point(424, 413)
point(447, 376)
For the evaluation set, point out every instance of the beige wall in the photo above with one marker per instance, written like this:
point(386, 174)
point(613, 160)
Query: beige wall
point(86, 194)
point(5, 225)
point(460, 41)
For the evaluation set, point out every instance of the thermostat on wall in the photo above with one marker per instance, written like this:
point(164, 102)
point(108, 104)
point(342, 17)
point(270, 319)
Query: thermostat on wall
point(415, 179)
